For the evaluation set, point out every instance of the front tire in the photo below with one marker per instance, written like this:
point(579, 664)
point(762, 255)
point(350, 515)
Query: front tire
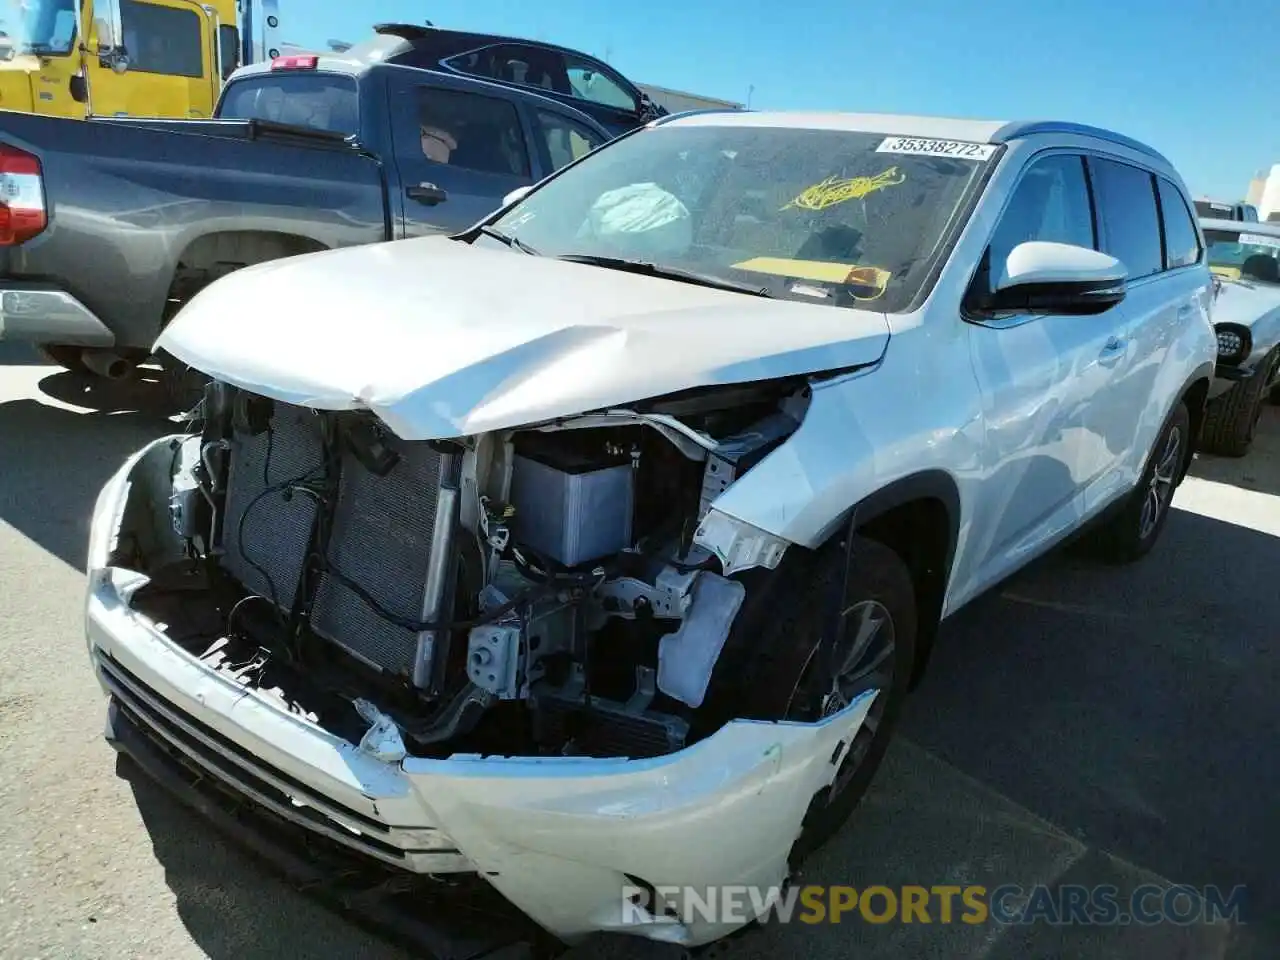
point(786, 674)
point(1231, 420)
point(1134, 529)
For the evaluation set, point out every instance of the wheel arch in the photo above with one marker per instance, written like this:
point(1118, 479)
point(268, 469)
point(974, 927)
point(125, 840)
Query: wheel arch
point(1195, 394)
point(918, 517)
point(212, 255)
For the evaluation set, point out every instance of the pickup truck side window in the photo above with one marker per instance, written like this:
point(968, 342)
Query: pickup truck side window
point(1050, 202)
point(162, 40)
point(1128, 219)
point(1182, 246)
point(471, 131)
point(566, 139)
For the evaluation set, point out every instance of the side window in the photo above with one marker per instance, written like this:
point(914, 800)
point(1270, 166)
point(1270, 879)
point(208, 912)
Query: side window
point(1182, 246)
point(1127, 217)
point(1050, 202)
point(162, 40)
point(527, 65)
point(471, 131)
point(589, 82)
point(566, 139)
point(229, 49)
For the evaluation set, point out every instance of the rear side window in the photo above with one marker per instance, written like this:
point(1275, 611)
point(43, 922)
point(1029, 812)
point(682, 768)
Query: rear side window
point(1127, 217)
point(472, 131)
point(566, 139)
point(161, 40)
point(320, 101)
point(1181, 245)
point(1050, 202)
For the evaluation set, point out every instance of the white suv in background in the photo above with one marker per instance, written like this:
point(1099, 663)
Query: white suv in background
point(594, 549)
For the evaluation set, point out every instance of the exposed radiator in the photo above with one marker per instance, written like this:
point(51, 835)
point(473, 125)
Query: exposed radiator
point(391, 535)
point(387, 532)
point(267, 530)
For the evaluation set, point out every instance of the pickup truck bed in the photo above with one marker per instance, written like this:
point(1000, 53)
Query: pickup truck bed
point(135, 210)
point(126, 219)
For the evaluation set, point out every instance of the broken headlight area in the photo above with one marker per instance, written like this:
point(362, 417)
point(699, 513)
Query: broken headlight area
point(562, 590)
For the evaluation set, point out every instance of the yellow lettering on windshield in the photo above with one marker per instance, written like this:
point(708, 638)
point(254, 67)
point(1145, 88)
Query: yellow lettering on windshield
point(835, 190)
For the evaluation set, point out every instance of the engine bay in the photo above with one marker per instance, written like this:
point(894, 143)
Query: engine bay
point(532, 592)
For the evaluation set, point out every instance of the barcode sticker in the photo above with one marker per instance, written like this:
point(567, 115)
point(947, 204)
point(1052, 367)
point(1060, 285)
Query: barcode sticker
point(959, 149)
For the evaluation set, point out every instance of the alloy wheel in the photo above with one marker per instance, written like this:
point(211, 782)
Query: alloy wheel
point(1160, 487)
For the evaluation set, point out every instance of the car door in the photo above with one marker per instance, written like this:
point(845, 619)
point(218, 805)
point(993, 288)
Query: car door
point(1039, 377)
point(170, 45)
point(458, 152)
point(1144, 222)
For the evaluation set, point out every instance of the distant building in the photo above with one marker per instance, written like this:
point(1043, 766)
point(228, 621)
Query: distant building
point(677, 100)
point(1269, 194)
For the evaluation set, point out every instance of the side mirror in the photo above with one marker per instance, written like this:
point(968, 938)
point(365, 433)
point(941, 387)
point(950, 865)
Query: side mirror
point(1043, 277)
point(115, 59)
point(79, 88)
point(517, 194)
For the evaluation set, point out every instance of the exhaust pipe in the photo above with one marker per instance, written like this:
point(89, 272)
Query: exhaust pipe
point(107, 363)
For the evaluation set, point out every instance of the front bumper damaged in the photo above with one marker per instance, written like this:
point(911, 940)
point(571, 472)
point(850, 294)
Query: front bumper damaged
point(560, 839)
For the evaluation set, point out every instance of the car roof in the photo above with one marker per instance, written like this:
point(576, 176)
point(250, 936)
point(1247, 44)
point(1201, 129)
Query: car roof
point(1241, 226)
point(358, 66)
point(906, 125)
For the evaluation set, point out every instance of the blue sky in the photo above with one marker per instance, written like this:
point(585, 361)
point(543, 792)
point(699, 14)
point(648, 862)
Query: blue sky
point(1197, 79)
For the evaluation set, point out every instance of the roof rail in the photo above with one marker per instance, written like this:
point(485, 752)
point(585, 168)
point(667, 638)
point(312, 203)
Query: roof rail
point(1027, 128)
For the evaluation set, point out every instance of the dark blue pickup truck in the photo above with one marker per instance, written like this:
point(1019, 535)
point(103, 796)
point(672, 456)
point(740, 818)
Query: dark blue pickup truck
point(108, 226)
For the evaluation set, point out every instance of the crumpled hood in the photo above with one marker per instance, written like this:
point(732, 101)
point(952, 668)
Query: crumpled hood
point(443, 339)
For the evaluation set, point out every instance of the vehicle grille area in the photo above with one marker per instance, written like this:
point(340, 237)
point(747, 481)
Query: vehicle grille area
point(385, 532)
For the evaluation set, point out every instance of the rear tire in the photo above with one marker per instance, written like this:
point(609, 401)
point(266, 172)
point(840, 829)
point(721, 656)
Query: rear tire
point(1131, 532)
point(1231, 420)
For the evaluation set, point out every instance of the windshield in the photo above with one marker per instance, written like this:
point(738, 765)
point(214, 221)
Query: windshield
point(322, 101)
point(828, 216)
point(48, 27)
point(1244, 256)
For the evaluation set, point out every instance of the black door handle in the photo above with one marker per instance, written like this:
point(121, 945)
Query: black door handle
point(427, 193)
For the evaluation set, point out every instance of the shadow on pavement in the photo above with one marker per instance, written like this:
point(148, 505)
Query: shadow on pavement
point(140, 393)
point(1132, 708)
point(55, 462)
point(1259, 469)
point(233, 908)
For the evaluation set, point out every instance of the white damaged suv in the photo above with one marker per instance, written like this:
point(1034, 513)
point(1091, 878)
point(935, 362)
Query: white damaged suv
point(593, 551)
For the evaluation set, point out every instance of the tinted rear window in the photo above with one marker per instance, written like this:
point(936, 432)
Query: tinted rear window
point(322, 101)
point(1218, 211)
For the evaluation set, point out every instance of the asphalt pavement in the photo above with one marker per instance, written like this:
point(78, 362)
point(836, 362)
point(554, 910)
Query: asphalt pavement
point(1080, 725)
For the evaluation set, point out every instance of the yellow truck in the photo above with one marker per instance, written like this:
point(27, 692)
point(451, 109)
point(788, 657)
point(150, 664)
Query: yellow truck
point(141, 58)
